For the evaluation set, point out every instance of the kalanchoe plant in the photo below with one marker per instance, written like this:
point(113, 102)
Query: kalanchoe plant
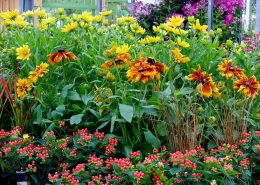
point(96, 159)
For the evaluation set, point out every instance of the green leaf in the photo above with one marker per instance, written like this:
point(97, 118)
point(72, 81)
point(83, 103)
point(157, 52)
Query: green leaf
point(127, 112)
point(186, 90)
point(65, 89)
point(113, 120)
point(151, 139)
point(103, 125)
point(73, 95)
point(60, 109)
point(76, 119)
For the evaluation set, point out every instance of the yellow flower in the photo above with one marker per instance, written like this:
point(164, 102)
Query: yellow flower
point(61, 11)
point(109, 64)
point(23, 86)
point(198, 27)
point(176, 21)
point(122, 49)
point(182, 43)
point(41, 14)
point(135, 28)
point(33, 76)
point(97, 18)
point(39, 72)
point(11, 15)
point(26, 136)
point(191, 19)
point(70, 27)
point(28, 14)
point(156, 29)
point(122, 20)
point(150, 39)
point(107, 13)
point(23, 52)
point(87, 17)
point(48, 20)
point(179, 58)
point(110, 52)
point(110, 76)
point(229, 42)
point(19, 20)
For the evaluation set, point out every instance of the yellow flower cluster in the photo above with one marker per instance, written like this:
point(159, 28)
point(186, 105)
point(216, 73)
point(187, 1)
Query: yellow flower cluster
point(23, 86)
point(137, 29)
point(178, 56)
point(123, 20)
point(38, 72)
point(150, 39)
point(12, 18)
point(117, 56)
point(182, 43)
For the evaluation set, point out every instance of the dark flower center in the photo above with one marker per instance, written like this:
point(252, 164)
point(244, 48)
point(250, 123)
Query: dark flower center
point(204, 80)
point(247, 84)
point(140, 69)
point(151, 61)
point(61, 50)
point(231, 68)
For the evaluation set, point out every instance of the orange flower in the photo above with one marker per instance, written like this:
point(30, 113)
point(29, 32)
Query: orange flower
point(144, 71)
point(56, 57)
point(159, 67)
point(207, 86)
point(248, 86)
point(230, 71)
point(109, 64)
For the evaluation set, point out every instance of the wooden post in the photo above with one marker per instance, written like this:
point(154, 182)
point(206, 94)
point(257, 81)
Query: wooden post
point(210, 14)
point(248, 15)
point(257, 25)
point(37, 3)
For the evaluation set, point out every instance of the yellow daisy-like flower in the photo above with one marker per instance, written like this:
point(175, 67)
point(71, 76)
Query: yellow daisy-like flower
point(87, 17)
point(70, 27)
point(23, 86)
point(48, 20)
point(182, 43)
point(198, 27)
point(40, 13)
point(110, 52)
point(135, 28)
point(107, 13)
point(28, 14)
point(150, 39)
point(103, 94)
point(122, 49)
point(11, 15)
point(23, 52)
point(156, 29)
point(179, 58)
point(176, 21)
point(39, 72)
point(97, 18)
point(122, 20)
point(26, 136)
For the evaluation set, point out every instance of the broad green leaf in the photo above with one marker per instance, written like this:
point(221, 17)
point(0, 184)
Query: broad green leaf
point(76, 119)
point(127, 112)
point(151, 139)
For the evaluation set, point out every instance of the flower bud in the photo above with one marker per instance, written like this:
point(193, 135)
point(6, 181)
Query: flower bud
point(219, 31)
point(229, 43)
point(191, 19)
point(212, 33)
point(212, 119)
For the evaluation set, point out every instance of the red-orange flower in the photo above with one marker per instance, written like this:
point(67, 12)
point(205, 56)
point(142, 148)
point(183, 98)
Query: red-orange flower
point(159, 67)
point(56, 57)
point(144, 71)
point(206, 86)
point(248, 86)
point(228, 70)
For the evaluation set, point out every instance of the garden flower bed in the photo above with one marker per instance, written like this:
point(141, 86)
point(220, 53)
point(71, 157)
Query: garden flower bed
point(97, 103)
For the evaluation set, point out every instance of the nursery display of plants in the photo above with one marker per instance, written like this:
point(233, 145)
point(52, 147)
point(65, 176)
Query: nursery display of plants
point(83, 101)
